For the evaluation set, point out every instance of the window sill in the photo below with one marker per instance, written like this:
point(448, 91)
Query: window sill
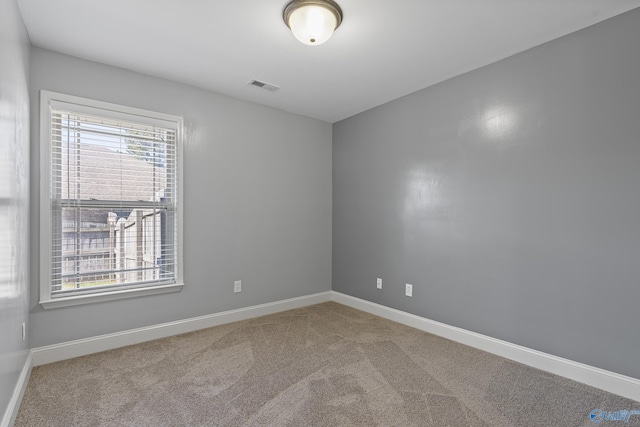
point(110, 296)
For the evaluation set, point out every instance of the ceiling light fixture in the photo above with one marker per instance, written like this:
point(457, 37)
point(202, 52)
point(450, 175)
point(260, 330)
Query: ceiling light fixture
point(312, 22)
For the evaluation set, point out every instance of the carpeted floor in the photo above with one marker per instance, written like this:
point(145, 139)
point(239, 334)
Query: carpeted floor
point(323, 365)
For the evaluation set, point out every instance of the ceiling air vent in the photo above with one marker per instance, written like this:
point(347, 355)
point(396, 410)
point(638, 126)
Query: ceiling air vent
point(263, 85)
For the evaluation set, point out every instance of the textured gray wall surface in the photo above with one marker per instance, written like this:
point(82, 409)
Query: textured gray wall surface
point(508, 196)
point(14, 199)
point(257, 200)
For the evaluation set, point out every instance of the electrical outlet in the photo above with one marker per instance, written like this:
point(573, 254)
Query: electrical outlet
point(237, 286)
point(408, 290)
point(24, 331)
point(379, 283)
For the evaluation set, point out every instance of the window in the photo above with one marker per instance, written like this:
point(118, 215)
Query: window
point(110, 201)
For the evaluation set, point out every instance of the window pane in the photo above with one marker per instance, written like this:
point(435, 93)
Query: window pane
point(106, 162)
point(107, 247)
point(87, 253)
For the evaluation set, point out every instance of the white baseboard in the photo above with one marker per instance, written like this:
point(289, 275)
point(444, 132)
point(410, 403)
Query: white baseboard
point(83, 347)
point(605, 380)
point(18, 392)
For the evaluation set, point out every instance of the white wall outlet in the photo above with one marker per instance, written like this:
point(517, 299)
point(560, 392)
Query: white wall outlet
point(24, 331)
point(379, 283)
point(237, 286)
point(408, 290)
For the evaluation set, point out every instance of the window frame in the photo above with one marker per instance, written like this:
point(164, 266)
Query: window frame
point(114, 111)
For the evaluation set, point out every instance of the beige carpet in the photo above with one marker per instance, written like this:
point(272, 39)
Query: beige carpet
point(323, 365)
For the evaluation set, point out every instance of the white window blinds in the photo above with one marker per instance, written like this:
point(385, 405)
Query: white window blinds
point(113, 201)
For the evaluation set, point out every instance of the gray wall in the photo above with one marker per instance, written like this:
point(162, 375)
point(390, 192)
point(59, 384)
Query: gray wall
point(509, 197)
point(14, 200)
point(257, 200)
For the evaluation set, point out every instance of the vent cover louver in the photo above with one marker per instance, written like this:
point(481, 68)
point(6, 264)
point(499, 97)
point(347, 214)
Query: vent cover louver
point(263, 85)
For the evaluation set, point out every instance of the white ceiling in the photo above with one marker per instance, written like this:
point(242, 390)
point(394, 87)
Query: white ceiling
point(383, 50)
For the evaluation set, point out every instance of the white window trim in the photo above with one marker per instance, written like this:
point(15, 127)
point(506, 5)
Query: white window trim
point(47, 99)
